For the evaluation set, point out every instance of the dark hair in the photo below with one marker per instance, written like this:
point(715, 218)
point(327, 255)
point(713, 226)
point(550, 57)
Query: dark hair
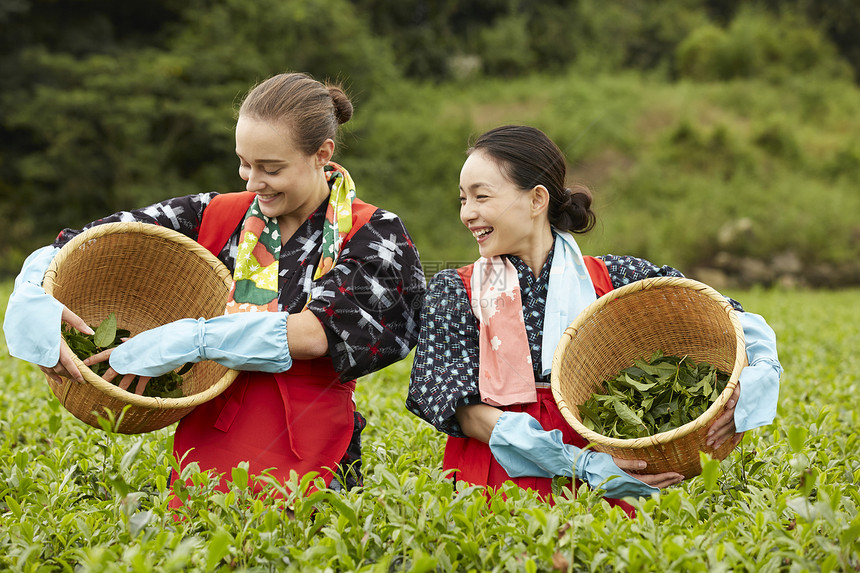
point(529, 158)
point(311, 109)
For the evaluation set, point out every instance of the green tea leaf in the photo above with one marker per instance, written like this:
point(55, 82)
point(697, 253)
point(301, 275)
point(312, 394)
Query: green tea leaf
point(107, 336)
point(638, 385)
point(106, 332)
point(649, 398)
point(625, 413)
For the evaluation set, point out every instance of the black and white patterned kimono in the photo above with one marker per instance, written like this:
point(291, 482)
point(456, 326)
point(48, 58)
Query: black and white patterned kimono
point(368, 304)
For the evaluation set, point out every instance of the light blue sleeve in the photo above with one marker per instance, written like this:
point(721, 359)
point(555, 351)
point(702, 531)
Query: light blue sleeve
point(523, 448)
point(244, 341)
point(33, 318)
point(759, 382)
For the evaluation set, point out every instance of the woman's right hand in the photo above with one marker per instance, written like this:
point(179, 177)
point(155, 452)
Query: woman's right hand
point(66, 367)
point(110, 374)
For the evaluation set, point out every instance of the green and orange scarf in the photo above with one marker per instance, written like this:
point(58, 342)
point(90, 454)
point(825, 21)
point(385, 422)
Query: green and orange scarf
point(255, 277)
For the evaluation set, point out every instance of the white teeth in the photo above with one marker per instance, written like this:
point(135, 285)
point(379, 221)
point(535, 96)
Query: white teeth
point(482, 232)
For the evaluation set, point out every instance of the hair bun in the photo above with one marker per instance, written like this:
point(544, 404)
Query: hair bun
point(342, 105)
point(567, 198)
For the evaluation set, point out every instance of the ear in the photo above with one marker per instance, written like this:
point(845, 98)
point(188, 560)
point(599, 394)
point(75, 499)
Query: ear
point(539, 200)
point(324, 154)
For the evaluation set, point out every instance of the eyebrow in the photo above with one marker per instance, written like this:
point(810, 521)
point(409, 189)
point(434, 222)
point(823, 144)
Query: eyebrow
point(264, 160)
point(477, 185)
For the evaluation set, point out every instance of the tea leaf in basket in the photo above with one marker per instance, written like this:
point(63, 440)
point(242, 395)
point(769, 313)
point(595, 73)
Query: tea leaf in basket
point(625, 413)
point(591, 417)
point(106, 336)
point(80, 344)
point(653, 396)
point(106, 332)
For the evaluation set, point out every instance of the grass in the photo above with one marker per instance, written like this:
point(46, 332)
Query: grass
point(73, 498)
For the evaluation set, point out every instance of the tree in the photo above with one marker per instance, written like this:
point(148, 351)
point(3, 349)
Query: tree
point(91, 131)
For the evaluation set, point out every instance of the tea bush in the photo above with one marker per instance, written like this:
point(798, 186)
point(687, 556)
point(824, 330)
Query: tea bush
point(73, 498)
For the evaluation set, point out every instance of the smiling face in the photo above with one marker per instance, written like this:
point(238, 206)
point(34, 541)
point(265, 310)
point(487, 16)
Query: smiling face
point(502, 218)
point(288, 183)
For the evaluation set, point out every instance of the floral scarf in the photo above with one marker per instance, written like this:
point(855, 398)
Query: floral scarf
point(505, 373)
point(255, 277)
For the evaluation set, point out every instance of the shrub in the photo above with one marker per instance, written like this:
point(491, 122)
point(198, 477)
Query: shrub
point(758, 44)
point(505, 46)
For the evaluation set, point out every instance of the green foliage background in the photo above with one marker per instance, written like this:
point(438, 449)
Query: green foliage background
point(689, 119)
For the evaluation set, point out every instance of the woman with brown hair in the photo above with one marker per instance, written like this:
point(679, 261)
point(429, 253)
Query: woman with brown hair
point(326, 288)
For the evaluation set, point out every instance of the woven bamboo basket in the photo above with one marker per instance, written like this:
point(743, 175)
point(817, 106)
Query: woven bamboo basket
point(148, 276)
point(677, 316)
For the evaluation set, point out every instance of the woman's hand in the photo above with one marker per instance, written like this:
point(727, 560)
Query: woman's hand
point(66, 367)
point(723, 427)
point(661, 481)
point(111, 374)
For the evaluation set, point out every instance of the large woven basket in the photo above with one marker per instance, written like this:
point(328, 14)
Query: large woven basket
point(677, 316)
point(148, 275)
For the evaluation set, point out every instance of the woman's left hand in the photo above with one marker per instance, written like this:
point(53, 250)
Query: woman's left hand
point(723, 428)
point(111, 374)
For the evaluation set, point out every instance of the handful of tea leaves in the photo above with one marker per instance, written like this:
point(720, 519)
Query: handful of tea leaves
point(106, 336)
point(651, 397)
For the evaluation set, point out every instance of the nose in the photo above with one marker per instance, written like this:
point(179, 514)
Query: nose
point(253, 182)
point(467, 212)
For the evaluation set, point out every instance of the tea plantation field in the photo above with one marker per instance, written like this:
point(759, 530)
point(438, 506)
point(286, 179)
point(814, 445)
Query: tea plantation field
point(73, 498)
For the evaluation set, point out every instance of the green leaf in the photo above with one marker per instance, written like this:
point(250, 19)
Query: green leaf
point(343, 508)
point(240, 475)
point(138, 521)
point(14, 506)
point(641, 386)
point(421, 562)
point(648, 398)
point(626, 414)
point(797, 437)
point(131, 455)
point(710, 471)
point(218, 548)
point(106, 332)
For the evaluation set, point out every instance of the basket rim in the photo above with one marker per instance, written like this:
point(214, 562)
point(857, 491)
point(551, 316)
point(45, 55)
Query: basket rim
point(663, 437)
point(139, 228)
point(91, 377)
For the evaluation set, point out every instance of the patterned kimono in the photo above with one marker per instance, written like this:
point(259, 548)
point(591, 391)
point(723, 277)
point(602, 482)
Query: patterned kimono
point(368, 303)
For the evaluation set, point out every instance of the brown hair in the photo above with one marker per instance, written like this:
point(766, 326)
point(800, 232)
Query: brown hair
point(312, 110)
point(529, 158)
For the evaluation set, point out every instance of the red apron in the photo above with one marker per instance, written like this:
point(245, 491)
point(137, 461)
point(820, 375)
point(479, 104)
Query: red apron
point(299, 420)
point(472, 459)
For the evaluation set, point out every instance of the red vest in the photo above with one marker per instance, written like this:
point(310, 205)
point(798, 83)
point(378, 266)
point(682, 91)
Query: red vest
point(300, 420)
point(473, 459)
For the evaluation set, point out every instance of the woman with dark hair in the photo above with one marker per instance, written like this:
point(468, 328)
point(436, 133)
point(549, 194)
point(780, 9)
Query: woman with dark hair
point(481, 372)
point(326, 288)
